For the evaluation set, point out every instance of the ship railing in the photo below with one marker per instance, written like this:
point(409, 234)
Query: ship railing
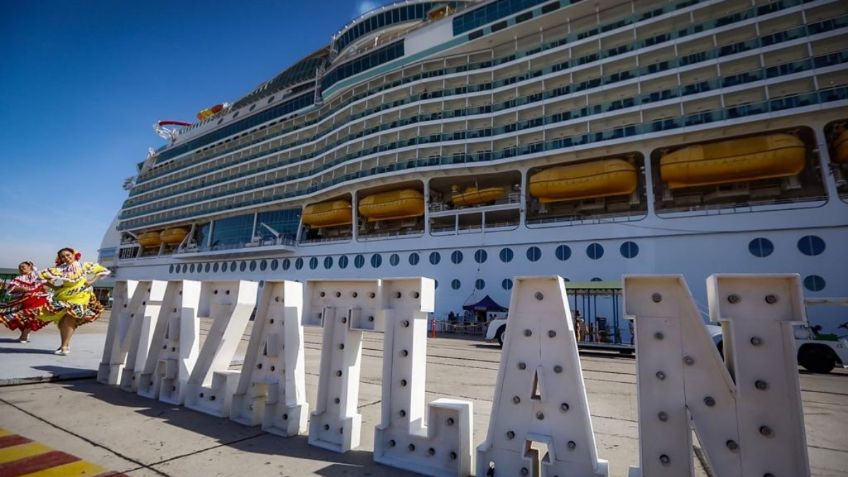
point(393, 233)
point(741, 208)
point(588, 220)
point(312, 241)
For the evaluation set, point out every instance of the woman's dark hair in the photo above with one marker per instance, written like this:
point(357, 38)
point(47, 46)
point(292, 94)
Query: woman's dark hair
point(69, 249)
point(25, 262)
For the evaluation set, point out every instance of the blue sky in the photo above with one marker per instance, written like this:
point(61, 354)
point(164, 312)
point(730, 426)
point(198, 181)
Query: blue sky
point(81, 83)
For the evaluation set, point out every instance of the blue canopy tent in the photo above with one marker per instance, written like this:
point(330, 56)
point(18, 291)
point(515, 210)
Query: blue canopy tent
point(486, 305)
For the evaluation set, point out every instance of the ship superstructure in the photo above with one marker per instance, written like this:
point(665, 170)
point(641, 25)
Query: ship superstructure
point(475, 141)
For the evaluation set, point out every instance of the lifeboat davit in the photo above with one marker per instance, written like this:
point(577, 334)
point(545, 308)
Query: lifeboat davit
point(173, 236)
point(752, 158)
point(328, 214)
point(149, 239)
point(396, 204)
point(840, 148)
point(209, 112)
point(594, 179)
point(474, 196)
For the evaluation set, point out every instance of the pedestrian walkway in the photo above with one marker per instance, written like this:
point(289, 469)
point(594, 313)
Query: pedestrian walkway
point(20, 456)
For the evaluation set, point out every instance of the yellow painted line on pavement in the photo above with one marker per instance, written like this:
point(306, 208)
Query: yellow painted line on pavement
point(22, 451)
point(78, 468)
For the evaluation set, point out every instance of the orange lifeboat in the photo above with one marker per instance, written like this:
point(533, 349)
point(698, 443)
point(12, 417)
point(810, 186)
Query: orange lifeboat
point(149, 239)
point(173, 236)
point(752, 158)
point(327, 214)
point(209, 112)
point(474, 196)
point(396, 204)
point(584, 181)
point(840, 148)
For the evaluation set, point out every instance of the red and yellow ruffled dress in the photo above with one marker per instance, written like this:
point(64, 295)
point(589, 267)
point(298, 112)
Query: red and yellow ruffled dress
point(72, 293)
point(25, 299)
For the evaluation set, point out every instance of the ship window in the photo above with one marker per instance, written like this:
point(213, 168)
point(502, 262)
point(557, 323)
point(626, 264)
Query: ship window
point(191, 268)
point(298, 264)
point(630, 249)
point(199, 268)
point(760, 247)
point(435, 258)
point(507, 284)
point(534, 254)
point(376, 260)
point(413, 259)
point(480, 256)
point(811, 245)
point(215, 267)
point(456, 257)
point(358, 261)
point(233, 266)
point(207, 267)
point(286, 264)
point(328, 262)
point(596, 279)
point(563, 252)
point(171, 268)
point(394, 259)
point(455, 284)
point(242, 266)
point(595, 251)
point(253, 265)
point(313, 263)
point(343, 261)
point(274, 264)
point(263, 265)
point(480, 284)
point(506, 255)
point(814, 283)
point(435, 284)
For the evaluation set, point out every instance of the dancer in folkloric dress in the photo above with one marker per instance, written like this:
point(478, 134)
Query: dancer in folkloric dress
point(72, 301)
point(25, 298)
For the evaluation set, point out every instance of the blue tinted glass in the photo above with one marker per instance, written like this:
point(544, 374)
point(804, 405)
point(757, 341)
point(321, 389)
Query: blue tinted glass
point(263, 265)
point(814, 283)
point(274, 264)
point(480, 256)
point(376, 260)
point(394, 259)
point(435, 258)
point(629, 249)
point(233, 266)
point(191, 268)
point(253, 265)
point(811, 245)
point(456, 257)
point(286, 264)
point(171, 268)
point(298, 264)
point(595, 251)
point(506, 255)
point(534, 254)
point(596, 279)
point(313, 263)
point(242, 266)
point(343, 261)
point(413, 259)
point(760, 247)
point(480, 284)
point(455, 284)
point(358, 261)
point(506, 284)
point(563, 252)
point(232, 231)
point(215, 267)
point(284, 222)
point(328, 262)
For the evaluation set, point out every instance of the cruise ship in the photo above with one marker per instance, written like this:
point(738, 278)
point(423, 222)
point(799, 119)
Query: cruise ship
point(476, 141)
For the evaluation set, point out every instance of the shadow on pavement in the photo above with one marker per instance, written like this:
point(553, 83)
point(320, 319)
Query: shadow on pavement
point(237, 436)
point(23, 350)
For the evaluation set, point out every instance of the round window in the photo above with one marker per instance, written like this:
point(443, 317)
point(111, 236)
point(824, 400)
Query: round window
point(506, 255)
point(595, 251)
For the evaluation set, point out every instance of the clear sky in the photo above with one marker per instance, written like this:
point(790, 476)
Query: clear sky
point(82, 82)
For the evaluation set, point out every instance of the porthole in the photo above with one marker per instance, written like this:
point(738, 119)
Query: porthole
point(436, 284)
point(563, 252)
point(313, 263)
point(235, 114)
point(171, 268)
point(413, 259)
point(253, 265)
point(595, 251)
point(506, 255)
point(263, 265)
point(760, 247)
point(328, 263)
point(480, 256)
point(596, 279)
point(455, 284)
point(480, 284)
point(359, 261)
point(435, 258)
point(233, 266)
point(394, 259)
point(270, 100)
point(286, 264)
point(343, 260)
point(242, 266)
point(506, 284)
point(811, 245)
point(814, 283)
point(534, 254)
point(298, 264)
point(376, 260)
point(252, 107)
point(629, 249)
point(191, 268)
point(274, 264)
point(207, 267)
point(199, 268)
point(456, 257)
